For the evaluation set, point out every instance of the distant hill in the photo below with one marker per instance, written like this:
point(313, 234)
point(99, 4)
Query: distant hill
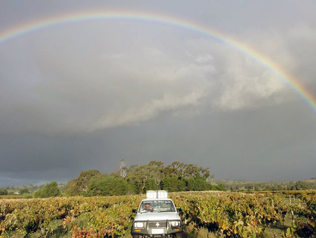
point(312, 180)
point(232, 182)
point(30, 188)
point(266, 185)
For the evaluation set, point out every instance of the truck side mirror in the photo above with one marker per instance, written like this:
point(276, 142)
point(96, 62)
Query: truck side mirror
point(134, 210)
point(179, 210)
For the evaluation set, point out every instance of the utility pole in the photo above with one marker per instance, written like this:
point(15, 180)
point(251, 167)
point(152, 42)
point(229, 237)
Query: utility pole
point(122, 169)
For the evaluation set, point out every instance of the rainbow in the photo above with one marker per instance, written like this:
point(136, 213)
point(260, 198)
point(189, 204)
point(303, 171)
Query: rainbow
point(46, 22)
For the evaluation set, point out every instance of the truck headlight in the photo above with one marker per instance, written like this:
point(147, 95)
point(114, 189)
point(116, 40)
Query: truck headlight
point(175, 223)
point(139, 224)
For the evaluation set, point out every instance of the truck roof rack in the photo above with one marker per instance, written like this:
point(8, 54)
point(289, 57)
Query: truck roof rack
point(154, 194)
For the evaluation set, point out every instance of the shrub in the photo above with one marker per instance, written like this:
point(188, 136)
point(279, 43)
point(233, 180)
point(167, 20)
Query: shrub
point(108, 186)
point(50, 190)
point(3, 191)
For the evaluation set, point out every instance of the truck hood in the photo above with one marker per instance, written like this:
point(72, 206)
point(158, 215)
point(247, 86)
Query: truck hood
point(157, 216)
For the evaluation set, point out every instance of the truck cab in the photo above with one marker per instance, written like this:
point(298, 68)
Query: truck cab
point(157, 216)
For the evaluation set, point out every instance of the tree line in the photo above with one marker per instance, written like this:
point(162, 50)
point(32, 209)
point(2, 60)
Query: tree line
point(155, 175)
point(138, 178)
point(272, 186)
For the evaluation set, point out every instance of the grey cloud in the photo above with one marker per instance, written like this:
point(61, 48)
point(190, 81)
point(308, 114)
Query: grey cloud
point(103, 89)
point(85, 92)
point(85, 95)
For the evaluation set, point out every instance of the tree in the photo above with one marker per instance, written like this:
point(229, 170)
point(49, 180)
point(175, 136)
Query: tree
point(143, 176)
point(172, 177)
point(139, 178)
point(170, 184)
point(184, 171)
point(24, 190)
point(79, 185)
point(50, 190)
point(198, 184)
point(220, 187)
point(3, 191)
point(175, 169)
point(107, 186)
point(152, 184)
point(301, 185)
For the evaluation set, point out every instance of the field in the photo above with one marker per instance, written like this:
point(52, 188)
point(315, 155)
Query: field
point(204, 214)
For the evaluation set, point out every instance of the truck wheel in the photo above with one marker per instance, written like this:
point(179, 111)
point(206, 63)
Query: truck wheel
point(136, 236)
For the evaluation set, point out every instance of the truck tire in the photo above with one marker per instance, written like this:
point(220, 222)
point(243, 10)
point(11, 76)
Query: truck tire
point(136, 236)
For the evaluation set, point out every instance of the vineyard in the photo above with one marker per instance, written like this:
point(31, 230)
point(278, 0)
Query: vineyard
point(203, 214)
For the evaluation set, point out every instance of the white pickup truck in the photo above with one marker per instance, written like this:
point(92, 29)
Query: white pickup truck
point(157, 216)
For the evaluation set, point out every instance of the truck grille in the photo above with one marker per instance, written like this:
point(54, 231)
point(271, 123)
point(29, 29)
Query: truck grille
point(157, 224)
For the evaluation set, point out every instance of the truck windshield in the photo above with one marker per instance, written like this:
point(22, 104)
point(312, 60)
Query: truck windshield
point(157, 206)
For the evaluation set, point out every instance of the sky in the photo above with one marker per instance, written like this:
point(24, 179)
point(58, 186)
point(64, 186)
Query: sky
point(212, 83)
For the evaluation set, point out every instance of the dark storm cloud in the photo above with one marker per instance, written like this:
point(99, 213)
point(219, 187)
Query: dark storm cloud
point(86, 95)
